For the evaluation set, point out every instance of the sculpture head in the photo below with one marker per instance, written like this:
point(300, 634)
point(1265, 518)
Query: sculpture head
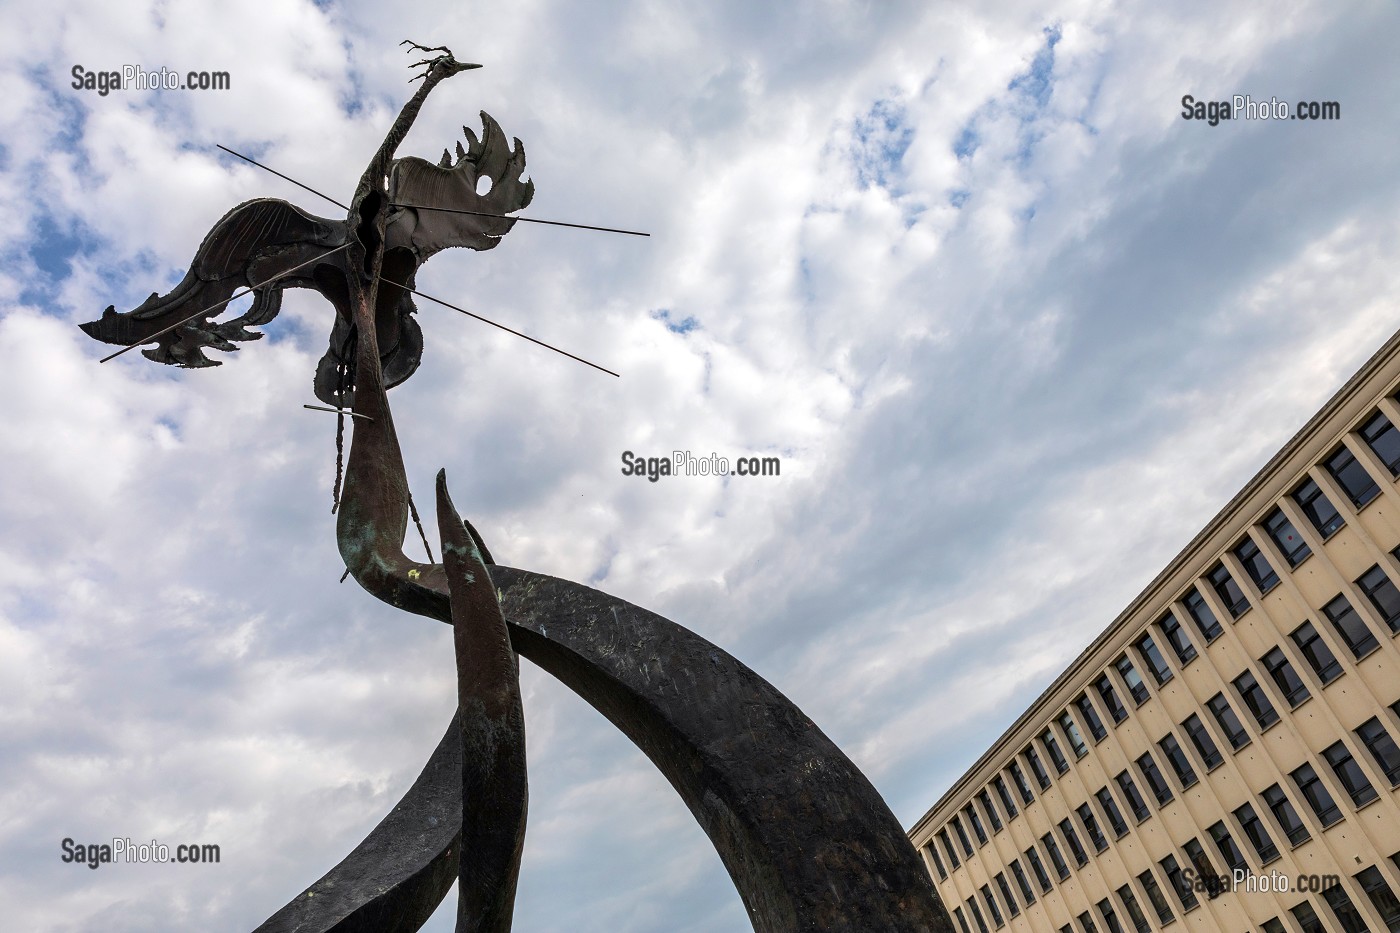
point(267, 245)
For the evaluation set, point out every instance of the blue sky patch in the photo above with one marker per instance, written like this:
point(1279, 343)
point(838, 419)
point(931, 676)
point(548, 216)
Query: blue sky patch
point(1035, 82)
point(683, 326)
point(881, 138)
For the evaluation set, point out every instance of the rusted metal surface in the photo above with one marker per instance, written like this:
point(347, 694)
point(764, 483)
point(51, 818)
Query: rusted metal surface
point(491, 722)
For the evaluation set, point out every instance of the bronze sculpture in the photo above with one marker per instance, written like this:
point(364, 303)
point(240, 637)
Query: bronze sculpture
point(807, 840)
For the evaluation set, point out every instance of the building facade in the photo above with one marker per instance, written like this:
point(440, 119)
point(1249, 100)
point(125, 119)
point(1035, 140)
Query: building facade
point(1224, 756)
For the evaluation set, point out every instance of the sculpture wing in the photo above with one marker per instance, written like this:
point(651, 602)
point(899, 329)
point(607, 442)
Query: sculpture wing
point(454, 184)
point(251, 243)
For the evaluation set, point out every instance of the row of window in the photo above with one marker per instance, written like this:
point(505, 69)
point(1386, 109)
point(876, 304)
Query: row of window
point(1372, 735)
point(1371, 882)
point(1202, 877)
point(1350, 776)
point(1127, 900)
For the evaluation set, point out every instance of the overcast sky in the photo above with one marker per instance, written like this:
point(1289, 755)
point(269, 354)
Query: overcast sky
point(1016, 329)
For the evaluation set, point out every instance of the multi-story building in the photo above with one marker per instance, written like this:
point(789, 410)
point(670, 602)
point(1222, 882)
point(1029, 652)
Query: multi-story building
point(1224, 756)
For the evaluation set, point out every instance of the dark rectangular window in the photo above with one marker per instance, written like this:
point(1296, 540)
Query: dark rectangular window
point(1319, 657)
point(1086, 923)
point(1228, 590)
point(962, 834)
point(1382, 748)
point(1256, 833)
point(1104, 686)
point(992, 907)
point(1353, 779)
point(1178, 760)
point(1090, 717)
point(1012, 907)
point(1038, 868)
point(1227, 720)
point(1130, 677)
point(1071, 731)
point(1315, 793)
point(1205, 870)
point(1004, 795)
point(1071, 838)
point(1160, 907)
point(1380, 435)
point(977, 915)
point(1056, 859)
point(1283, 674)
point(1354, 631)
point(1283, 534)
point(1052, 748)
point(1174, 635)
point(1307, 918)
point(986, 801)
point(1336, 897)
point(1382, 593)
point(1381, 896)
point(1256, 565)
point(1022, 882)
point(1273, 925)
point(1038, 769)
point(1091, 827)
point(1110, 919)
point(1352, 477)
point(1111, 811)
point(1318, 508)
point(970, 814)
point(1153, 778)
point(1152, 658)
point(1228, 848)
point(1019, 778)
point(948, 848)
point(1178, 883)
point(1256, 700)
point(1202, 740)
point(1199, 611)
point(937, 861)
point(1135, 914)
point(962, 920)
point(1132, 795)
point(1282, 808)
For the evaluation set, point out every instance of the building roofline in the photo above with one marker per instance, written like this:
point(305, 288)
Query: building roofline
point(1190, 552)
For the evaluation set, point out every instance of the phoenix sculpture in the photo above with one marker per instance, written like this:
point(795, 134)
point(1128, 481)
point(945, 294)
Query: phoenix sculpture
point(807, 840)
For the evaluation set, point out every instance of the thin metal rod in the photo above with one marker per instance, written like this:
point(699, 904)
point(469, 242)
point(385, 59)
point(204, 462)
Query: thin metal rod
point(424, 207)
point(162, 332)
point(338, 411)
point(284, 177)
point(528, 220)
point(501, 326)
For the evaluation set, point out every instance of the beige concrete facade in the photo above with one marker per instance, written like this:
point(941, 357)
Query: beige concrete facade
point(1239, 721)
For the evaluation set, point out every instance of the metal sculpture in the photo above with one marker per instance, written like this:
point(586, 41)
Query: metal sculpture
point(807, 840)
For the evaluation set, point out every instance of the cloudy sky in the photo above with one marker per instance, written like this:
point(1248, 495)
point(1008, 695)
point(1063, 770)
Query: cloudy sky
point(1016, 329)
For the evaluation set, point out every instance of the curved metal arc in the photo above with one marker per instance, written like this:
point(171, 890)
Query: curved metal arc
point(393, 880)
point(807, 840)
